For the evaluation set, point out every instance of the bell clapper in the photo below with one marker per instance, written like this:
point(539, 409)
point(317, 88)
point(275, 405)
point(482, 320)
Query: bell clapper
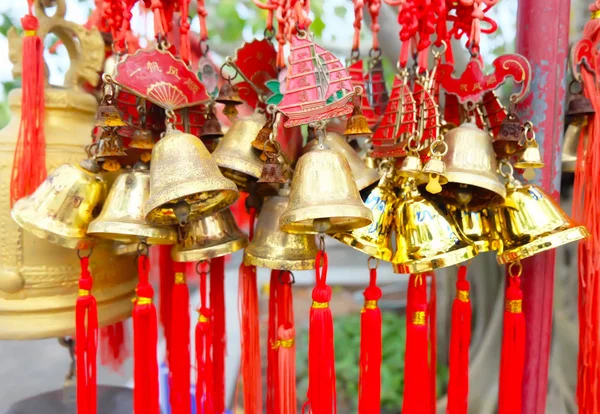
point(182, 211)
point(321, 225)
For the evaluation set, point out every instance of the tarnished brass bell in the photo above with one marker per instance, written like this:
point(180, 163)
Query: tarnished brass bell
point(122, 217)
point(275, 249)
point(507, 142)
point(579, 106)
point(425, 238)
point(229, 94)
point(357, 125)
point(272, 172)
point(109, 116)
point(477, 226)
point(185, 182)
point(212, 127)
point(471, 169)
point(375, 239)
point(142, 139)
point(62, 207)
point(263, 135)
point(235, 155)
point(110, 145)
point(212, 236)
point(363, 175)
point(324, 196)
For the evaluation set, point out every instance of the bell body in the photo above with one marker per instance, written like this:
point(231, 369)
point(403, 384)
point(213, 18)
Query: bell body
point(212, 236)
point(478, 227)
point(571, 144)
point(531, 222)
point(275, 249)
point(38, 279)
point(238, 159)
point(323, 189)
point(122, 217)
point(183, 173)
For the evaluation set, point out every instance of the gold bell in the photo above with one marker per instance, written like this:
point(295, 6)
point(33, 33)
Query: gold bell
point(571, 144)
point(185, 182)
point(435, 167)
point(471, 169)
point(142, 139)
point(109, 145)
point(262, 138)
point(530, 158)
point(212, 236)
point(275, 249)
point(357, 125)
point(236, 156)
point(62, 207)
point(531, 222)
point(425, 238)
point(324, 196)
point(212, 127)
point(411, 166)
point(477, 226)
point(122, 218)
point(363, 175)
point(375, 239)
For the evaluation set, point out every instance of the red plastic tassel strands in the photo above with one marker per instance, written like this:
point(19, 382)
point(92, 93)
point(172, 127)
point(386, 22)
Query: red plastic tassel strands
point(86, 337)
point(179, 394)
point(417, 391)
point(145, 338)
point(29, 164)
point(272, 346)
point(286, 346)
point(165, 271)
point(321, 354)
point(204, 348)
point(217, 304)
point(114, 348)
point(432, 315)
point(369, 384)
point(460, 340)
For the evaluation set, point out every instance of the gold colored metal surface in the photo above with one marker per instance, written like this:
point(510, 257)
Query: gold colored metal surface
point(411, 167)
point(530, 157)
point(212, 236)
point(363, 175)
point(357, 125)
point(477, 226)
point(531, 222)
point(122, 218)
point(324, 192)
point(235, 155)
point(571, 143)
point(425, 238)
point(62, 207)
point(275, 249)
point(183, 171)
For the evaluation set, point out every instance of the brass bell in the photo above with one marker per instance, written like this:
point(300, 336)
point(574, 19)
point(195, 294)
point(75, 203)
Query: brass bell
point(411, 166)
point(272, 172)
point(363, 175)
point(506, 143)
point(235, 155)
point(110, 145)
point(275, 249)
point(579, 106)
point(435, 167)
point(122, 218)
point(212, 236)
point(229, 94)
point(571, 144)
point(375, 239)
point(185, 182)
point(531, 222)
point(263, 136)
point(62, 207)
point(357, 125)
point(109, 116)
point(142, 139)
point(530, 159)
point(212, 127)
point(324, 197)
point(425, 238)
point(471, 168)
point(477, 226)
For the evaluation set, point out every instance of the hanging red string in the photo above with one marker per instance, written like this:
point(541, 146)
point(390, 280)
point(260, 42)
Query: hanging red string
point(145, 338)
point(374, 7)
point(432, 316)
point(358, 17)
point(273, 405)
point(512, 359)
point(204, 348)
point(184, 30)
point(202, 13)
point(286, 334)
point(29, 163)
point(460, 340)
point(113, 346)
point(217, 305)
point(179, 360)
point(166, 271)
point(369, 383)
point(86, 341)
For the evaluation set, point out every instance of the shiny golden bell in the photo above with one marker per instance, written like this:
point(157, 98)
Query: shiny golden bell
point(357, 125)
point(122, 218)
point(425, 238)
point(185, 182)
point(530, 157)
point(477, 226)
point(213, 236)
point(363, 175)
point(62, 207)
point(324, 196)
point(275, 249)
point(411, 167)
point(531, 222)
point(571, 145)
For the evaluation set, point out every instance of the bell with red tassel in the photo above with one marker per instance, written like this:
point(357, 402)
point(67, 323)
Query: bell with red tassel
point(204, 348)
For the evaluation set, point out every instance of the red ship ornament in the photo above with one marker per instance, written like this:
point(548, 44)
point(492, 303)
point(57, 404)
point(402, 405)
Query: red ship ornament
point(358, 80)
point(318, 86)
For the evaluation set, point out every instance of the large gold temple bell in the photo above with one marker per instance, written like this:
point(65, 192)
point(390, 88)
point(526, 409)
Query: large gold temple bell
point(122, 218)
point(324, 196)
point(185, 182)
point(213, 236)
point(425, 238)
point(275, 249)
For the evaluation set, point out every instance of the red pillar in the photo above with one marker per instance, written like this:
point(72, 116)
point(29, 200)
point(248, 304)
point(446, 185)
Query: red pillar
point(542, 37)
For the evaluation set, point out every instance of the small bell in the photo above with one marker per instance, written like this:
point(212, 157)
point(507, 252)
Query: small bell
point(273, 171)
point(212, 127)
point(142, 139)
point(530, 158)
point(579, 106)
point(110, 145)
point(262, 138)
point(357, 125)
point(109, 116)
point(506, 143)
point(229, 95)
point(435, 167)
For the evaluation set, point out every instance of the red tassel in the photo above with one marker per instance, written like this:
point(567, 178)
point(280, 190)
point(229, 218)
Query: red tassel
point(114, 349)
point(145, 338)
point(417, 398)
point(179, 394)
point(272, 346)
point(217, 305)
point(286, 350)
point(86, 342)
point(166, 271)
point(432, 315)
point(460, 340)
point(29, 164)
point(369, 383)
point(512, 359)
point(321, 354)
point(204, 350)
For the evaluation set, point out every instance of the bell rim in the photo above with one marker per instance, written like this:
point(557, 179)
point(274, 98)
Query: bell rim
point(278, 264)
point(239, 165)
point(481, 181)
point(363, 246)
point(524, 165)
point(299, 221)
point(542, 244)
point(127, 232)
point(124, 249)
point(438, 261)
point(367, 179)
point(209, 252)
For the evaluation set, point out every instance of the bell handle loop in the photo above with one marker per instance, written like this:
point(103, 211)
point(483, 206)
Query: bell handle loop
point(286, 278)
point(370, 264)
point(321, 273)
point(413, 144)
point(506, 170)
point(515, 269)
point(142, 248)
point(434, 150)
point(385, 167)
point(81, 256)
point(528, 131)
point(203, 266)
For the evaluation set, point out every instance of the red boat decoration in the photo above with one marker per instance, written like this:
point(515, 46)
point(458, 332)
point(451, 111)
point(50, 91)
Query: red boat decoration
point(318, 86)
point(494, 112)
point(257, 61)
point(428, 114)
point(358, 80)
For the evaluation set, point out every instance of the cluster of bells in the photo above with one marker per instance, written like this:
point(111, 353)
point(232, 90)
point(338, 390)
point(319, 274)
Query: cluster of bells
point(182, 197)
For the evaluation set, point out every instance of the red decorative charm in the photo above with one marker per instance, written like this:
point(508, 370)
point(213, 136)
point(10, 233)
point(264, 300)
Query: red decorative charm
point(257, 61)
point(160, 78)
point(358, 80)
